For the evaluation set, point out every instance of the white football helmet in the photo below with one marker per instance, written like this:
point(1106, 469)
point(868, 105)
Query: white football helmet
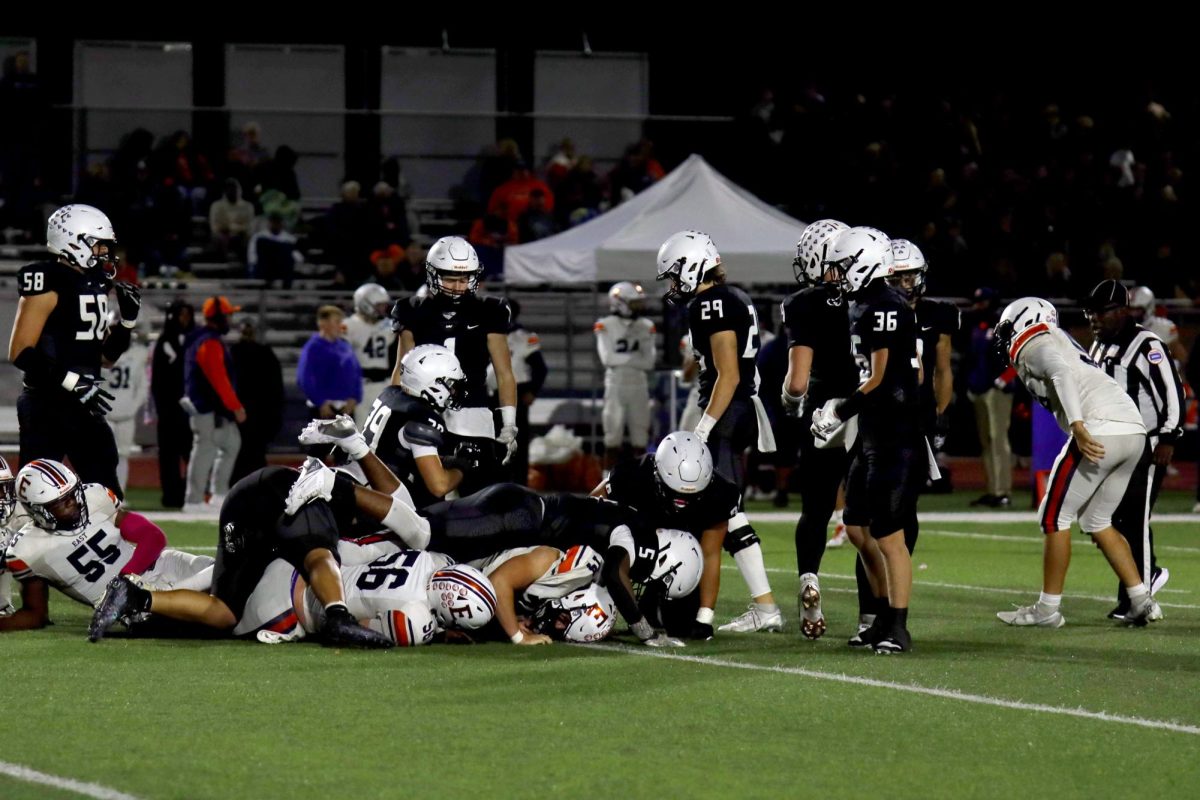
point(587, 615)
point(452, 257)
point(53, 496)
point(461, 597)
point(8, 496)
point(678, 563)
point(371, 301)
point(811, 251)
point(684, 259)
point(1017, 317)
point(432, 373)
point(683, 467)
point(626, 299)
point(860, 255)
point(72, 231)
point(411, 625)
point(908, 260)
point(1143, 300)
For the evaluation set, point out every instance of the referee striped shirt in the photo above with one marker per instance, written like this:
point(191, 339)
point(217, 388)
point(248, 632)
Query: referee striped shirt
point(1139, 362)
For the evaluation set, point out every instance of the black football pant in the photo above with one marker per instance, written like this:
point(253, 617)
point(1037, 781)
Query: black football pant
point(54, 425)
point(820, 472)
point(734, 432)
point(174, 448)
point(1132, 517)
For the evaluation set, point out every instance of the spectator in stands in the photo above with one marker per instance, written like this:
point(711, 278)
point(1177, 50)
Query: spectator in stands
point(388, 217)
point(255, 365)
point(250, 152)
point(990, 387)
point(578, 191)
point(273, 201)
point(181, 166)
point(328, 372)
point(212, 402)
point(385, 264)
point(497, 166)
point(637, 170)
point(167, 389)
point(346, 228)
point(536, 222)
point(280, 173)
point(273, 254)
point(411, 269)
point(511, 198)
point(490, 234)
point(561, 162)
point(229, 221)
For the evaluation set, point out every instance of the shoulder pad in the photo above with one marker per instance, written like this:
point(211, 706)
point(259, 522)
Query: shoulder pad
point(101, 501)
point(423, 434)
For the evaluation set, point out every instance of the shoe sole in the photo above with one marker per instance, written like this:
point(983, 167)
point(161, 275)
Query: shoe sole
point(813, 627)
point(104, 618)
point(774, 627)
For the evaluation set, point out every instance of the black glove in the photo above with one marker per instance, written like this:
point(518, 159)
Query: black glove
point(468, 456)
point(129, 298)
point(92, 396)
point(941, 429)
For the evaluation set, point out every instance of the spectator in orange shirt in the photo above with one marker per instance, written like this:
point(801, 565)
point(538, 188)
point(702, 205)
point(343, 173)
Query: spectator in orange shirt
point(489, 235)
point(511, 198)
point(213, 405)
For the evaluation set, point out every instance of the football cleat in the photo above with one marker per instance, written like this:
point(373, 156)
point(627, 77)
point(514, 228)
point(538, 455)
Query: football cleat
point(1158, 579)
point(839, 538)
point(755, 619)
point(341, 629)
point(121, 599)
point(1030, 616)
point(868, 633)
point(1143, 613)
point(315, 482)
point(339, 431)
point(894, 641)
point(812, 619)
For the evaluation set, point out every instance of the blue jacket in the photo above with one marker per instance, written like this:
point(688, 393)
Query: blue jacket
point(198, 386)
point(329, 371)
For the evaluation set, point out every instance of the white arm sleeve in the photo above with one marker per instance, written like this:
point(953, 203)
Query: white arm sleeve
point(1045, 361)
point(623, 537)
point(604, 345)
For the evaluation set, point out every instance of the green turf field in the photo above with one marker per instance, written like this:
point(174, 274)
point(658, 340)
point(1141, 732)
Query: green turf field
point(753, 715)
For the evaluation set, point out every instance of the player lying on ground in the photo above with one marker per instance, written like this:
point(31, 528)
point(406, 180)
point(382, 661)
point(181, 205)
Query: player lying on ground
point(505, 516)
point(78, 538)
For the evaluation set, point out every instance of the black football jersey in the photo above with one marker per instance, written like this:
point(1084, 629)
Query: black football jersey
point(75, 330)
point(398, 422)
point(571, 519)
point(724, 308)
point(880, 318)
point(463, 328)
point(636, 485)
point(819, 317)
point(934, 318)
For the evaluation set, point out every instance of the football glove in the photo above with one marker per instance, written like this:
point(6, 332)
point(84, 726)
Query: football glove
point(941, 428)
point(508, 438)
point(824, 423)
point(92, 395)
point(129, 298)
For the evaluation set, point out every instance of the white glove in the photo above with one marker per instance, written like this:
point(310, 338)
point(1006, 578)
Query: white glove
point(825, 422)
point(508, 430)
point(793, 406)
point(315, 481)
point(339, 431)
point(704, 427)
point(662, 640)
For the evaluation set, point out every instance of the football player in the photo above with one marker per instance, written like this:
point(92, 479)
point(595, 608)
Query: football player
point(1106, 449)
point(627, 344)
point(723, 325)
point(128, 384)
point(369, 332)
point(820, 367)
point(79, 538)
point(61, 338)
point(1144, 308)
point(889, 467)
point(474, 329)
point(406, 429)
point(506, 515)
point(582, 617)
point(8, 524)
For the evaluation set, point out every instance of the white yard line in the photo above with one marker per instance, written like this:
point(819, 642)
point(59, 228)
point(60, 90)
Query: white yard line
point(66, 784)
point(1036, 539)
point(912, 688)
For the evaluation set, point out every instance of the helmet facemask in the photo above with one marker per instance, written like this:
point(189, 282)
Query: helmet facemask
point(915, 280)
point(434, 278)
point(8, 499)
point(64, 515)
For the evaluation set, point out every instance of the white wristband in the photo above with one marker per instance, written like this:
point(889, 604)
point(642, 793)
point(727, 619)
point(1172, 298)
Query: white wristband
point(517, 637)
point(704, 426)
point(131, 324)
point(704, 616)
point(69, 380)
point(508, 416)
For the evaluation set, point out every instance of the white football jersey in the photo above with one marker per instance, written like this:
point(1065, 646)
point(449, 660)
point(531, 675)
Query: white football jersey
point(626, 344)
point(521, 345)
point(1064, 380)
point(126, 381)
point(371, 341)
point(571, 571)
point(1163, 328)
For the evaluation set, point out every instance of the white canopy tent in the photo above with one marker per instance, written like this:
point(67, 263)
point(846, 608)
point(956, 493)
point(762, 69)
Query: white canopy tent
point(757, 242)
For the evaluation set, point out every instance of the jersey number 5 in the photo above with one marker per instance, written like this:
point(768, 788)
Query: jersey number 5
point(93, 571)
point(95, 320)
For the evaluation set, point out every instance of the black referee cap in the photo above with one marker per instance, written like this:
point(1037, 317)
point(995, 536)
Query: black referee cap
point(1106, 296)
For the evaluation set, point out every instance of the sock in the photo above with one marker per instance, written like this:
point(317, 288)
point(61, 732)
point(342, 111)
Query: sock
point(836, 519)
point(1052, 601)
point(754, 572)
point(1137, 593)
point(406, 523)
point(900, 618)
point(881, 606)
point(866, 619)
point(770, 608)
point(141, 598)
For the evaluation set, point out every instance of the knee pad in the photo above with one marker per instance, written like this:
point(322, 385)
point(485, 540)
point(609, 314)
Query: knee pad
point(740, 535)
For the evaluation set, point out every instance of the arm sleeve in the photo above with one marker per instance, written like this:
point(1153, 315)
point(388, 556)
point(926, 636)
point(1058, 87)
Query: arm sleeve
point(625, 602)
point(1044, 361)
point(148, 538)
point(603, 344)
point(1166, 389)
point(210, 356)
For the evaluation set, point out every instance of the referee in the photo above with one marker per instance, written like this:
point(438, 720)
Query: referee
point(1139, 362)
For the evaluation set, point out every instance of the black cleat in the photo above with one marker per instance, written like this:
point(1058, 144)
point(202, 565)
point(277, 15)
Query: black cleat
point(867, 636)
point(121, 599)
point(895, 641)
point(701, 631)
point(341, 629)
point(1120, 612)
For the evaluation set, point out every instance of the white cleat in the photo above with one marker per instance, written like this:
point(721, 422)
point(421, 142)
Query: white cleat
point(1143, 613)
point(812, 619)
point(1029, 616)
point(315, 482)
point(839, 538)
point(755, 619)
point(339, 431)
